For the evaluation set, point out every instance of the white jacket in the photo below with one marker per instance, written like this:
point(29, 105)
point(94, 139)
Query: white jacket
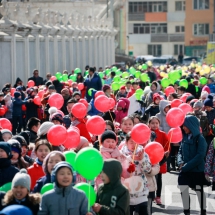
point(152, 184)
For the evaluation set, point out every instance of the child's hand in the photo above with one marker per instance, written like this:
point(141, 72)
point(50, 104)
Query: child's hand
point(139, 155)
point(166, 154)
point(131, 168)
point(97, 207)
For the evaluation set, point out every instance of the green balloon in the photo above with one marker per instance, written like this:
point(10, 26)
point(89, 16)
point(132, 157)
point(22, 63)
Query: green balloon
point(6, 187)
point(132, 70)
point(70, 157)
point(107, 71)
point(139, 91)
point(180, 73)
point(144, 77)
point(138, 96)
point(86, 73)
point(46, 188)
point(101, 74)
point(103, 82)
point(183, 83)
point(203, 80)
point(77, 70)
point(125, 74)
point(165, 82)
point(144, 67)
point(197, 89)
point(137, 74)
point(90, 91)
point(114, 68)
point(65, 77)
point(118, 72)
point(58, 75)
point(115, 86)
point(73, 77)
point(89, 163)
point(116, 78)
point(89, 192)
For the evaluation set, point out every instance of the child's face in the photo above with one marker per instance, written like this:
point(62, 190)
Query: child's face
point(109, 143)
point(24, 150)
point(136, 121)
point(64, 177)
point(53, 159)
point(108, 91)
point(154, 124)
point(56, 122)
point(157, 101)
point(3, 154)
point(166, 109)
point(1, 98)
point(128, 86)
point(42, 152)
point(122, 91)
point(6, 137)
point(69, 107)
point(186, 130)
point(131, 144)
point(119, 108)
point(77, 97)
point(15, 155)
point(108, 127)
point(135, 86)
point(20, 192)
point(127, 125)
point(105, 178)
point(153, 87)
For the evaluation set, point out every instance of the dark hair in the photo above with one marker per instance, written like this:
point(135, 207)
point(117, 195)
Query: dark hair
point(128, 117)
point(135, 115)
point(33, 121)
point(76, 94)
point(155, 83)
point(91, 69)
point(135, 82)
point(128, 136)
point(108, 122)
point(174, 95)
point(112, 73)
point(1, 94)
point(81, 79)
point(182, 88)
point(40, 142)
point(128, 82)
point(71, 101)
point(154, 117)
point(48, 83)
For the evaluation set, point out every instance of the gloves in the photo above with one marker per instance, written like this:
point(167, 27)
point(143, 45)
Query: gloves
point(131, 168)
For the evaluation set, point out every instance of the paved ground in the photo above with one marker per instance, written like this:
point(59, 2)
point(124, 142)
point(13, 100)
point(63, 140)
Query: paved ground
point(171, 198)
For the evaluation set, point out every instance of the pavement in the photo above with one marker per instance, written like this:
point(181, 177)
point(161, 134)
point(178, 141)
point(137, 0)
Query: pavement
point(171, 198)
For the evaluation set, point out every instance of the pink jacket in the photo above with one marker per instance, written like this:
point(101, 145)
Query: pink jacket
point(120, 114)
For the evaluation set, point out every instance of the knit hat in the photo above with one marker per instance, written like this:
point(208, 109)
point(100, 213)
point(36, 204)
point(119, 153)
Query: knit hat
point(207, 89)
point(122, 88)
point(52, 110)
point(105, 87)
point(15, 146)
point(22, 179)
point(19, 88)
point(204, 94)
point(7, 148)
point(57, 116)
point(65, 90)
point(189, 98)
point(198, 104)
point(6, 131)
point(209, 101)
point(20, 139)
point(108, 135)
point(156, 96)
point(17, 94)
point(44, 128)
point(30, 90)
point(16, 210)
point(26, 135)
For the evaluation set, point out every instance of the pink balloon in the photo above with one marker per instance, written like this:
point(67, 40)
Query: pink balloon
point(70, 82)
point(2, 111)
point(5, 124)
point(183, 98)
point(175, 117)
point(57, 135)
point(12, 91)
point(96, 125)
point(99, 93)
point(80, 86)
point(101, 103)
point(186, 108)
point(155, 152)
point(31, 83)
point(37, 100)
point(140, 133)
point(73, 139)
point(79, 110)
point(41, 93)
point(176, 103)
point(112, 103)
point(169, 90)
point(56, 100)
point(53, 78)
point(83, 101)
point(175, 135)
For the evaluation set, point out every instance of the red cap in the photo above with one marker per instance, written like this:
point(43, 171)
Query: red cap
point(122, 88)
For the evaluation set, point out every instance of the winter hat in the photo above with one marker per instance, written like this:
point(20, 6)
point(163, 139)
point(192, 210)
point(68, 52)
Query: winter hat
point(17, 94)
point(209, 101)
point(52, 110)
point(108, 135)
point(22, 179)
point(51, 87)
point(57, 167)
point(16, 210)
point(105, 87)
point(204, 94)
point(20, 139)
point(26, 135)
point(6, 131)
point(30, 90)
point(122, 88)
point(15, 146)
point(57, 116)
point(7, 148)
point(65, 90)
point(198, 104)
point(189, 98)
point(156, 96)
point(44, 128)
point(207, 89)
point(19, 88)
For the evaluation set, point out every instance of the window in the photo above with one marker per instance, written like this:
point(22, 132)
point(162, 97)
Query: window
point(201, 29)
point(201, 4)
point(180, 6)
point(179, 29)
point(178, 49)
point(155, 28)
point(155, 50)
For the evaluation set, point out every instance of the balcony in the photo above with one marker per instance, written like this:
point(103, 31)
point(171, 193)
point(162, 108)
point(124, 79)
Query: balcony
point(136, 17)
point(212, 37)
point(167, 38)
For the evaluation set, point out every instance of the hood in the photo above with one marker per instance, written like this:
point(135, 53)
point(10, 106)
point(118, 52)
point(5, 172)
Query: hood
point(18, 80)
point(16, 210)
point(158, 87)
point(192, 123)
point(124, 103)
point(113, 169)
point(162, 105)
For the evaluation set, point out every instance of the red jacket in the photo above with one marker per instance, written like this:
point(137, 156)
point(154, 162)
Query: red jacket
point(35, 171)
point(83, 130)
point(131, 92)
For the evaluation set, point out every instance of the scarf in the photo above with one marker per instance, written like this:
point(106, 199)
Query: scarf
point(38, 162)
point(20, 201)
point(112, 153)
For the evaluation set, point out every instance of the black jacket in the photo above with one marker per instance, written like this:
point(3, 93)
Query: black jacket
point(38, 81)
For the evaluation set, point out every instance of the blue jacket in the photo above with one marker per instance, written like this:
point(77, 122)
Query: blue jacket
point(93, 111)
point(94, 83)
point(193, 147)
point(17, 107)
point(41, 182)
point(212, 87)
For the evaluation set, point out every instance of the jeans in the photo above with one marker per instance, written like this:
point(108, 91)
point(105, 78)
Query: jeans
point(159, 184)
point(17, 124)
point(141, 208)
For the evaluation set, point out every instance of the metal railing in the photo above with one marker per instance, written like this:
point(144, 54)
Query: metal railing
point(136, 17)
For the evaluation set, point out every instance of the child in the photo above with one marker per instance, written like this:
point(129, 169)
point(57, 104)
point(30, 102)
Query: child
point(161, 137)
point(137, 182)
point(153, 108)
point(9, 105)
point(63, 199)
point(122, 93)
point(155, 88)
point(50, 161)
point(112, 197)
point(6, 134)
point(56, 118)
point(7, 170)
point(20, 193)
point(42, 148)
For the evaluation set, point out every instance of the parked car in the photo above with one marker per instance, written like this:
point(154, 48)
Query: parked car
point(162, 61)
point(188, 60)
point(144, 58)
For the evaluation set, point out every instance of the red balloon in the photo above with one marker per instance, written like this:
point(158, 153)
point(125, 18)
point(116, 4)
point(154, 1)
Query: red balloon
point(175, 117)
point(79, 110)
point(73, 139)
point(96, 125)
point(2, 111)
point(155, 152)
point(24, 108)
point(111, 103)
point(5, 108)
point(176, 103)
point(186, 108)
point(37, 100)
point(56, 100)
point(99, 93)
point(83, 101)
point(5, 124)
point(57, 135)
point(41, 93)
point(174, 135)
point(31, 83)
point(75, 129)
point(101, 103)
point(183, 98)
point(53, 78)
point(80, 86)
point(70, 82)
point(12, 91)
point(140, 133)
point(169, 90)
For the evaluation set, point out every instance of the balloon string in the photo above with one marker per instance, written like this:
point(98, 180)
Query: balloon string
point(170, 141)
point(89, 197)
point(134, 153)
point(111, 116)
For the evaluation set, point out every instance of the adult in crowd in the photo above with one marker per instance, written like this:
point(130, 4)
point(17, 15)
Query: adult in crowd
point(36, 78)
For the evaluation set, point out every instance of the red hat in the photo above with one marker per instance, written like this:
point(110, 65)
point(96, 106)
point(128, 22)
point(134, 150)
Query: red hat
point(156, 96)
point(122, 88)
